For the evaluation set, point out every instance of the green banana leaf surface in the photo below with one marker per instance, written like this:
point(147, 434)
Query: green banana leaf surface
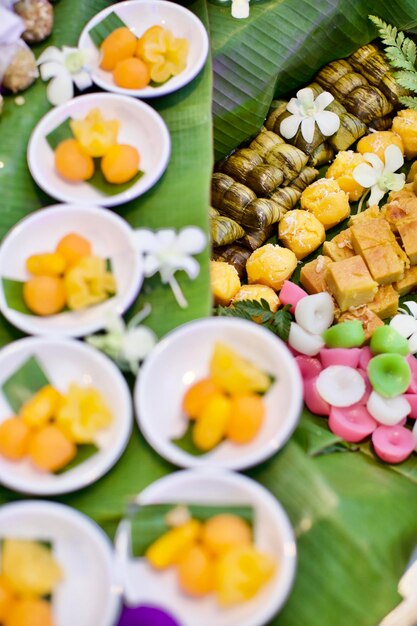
point(355, 518)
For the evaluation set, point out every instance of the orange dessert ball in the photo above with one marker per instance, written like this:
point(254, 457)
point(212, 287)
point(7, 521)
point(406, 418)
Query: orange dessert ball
point(6, 599)
point(196, 571)
point(47, 264)
point(73, 248)
point(30, 613)
point(50, 450)
point(72, 163)
point(44, 295)
point(225, 531)
point(197, 396)
point(14, 438)
point(246, 418)
point(120, 164)
point(120, 44)
point(132, 74)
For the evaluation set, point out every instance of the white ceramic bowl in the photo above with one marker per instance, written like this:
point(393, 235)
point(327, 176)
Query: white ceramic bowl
point(140, 126)
point(182, 357)
point(88, 594)
point(273, 534)
point(139, 15)
point(66, 361)
point(111, 238)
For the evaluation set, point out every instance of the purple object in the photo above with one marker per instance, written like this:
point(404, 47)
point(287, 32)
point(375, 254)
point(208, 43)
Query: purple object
point(146, 616)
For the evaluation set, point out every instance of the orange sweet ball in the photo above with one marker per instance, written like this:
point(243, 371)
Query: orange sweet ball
point(197, 396)
point(14, 439)
point(73, 248)
point(30, 613)
point(132, 73)
point(6, 599)
point(50, 450)
point(196, 571)
point(72, 163)
point(246, 418)
point(225, 531)
point(45, 295)
point(120, 164)
point(120, 44)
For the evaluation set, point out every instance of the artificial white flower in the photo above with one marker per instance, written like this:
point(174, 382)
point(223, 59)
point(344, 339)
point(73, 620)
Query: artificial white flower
point(378, 176)
point(66, 67)
point(167, 251)
point(127, 344)
point(309, 111)
point(240, 9)
point(405, 323)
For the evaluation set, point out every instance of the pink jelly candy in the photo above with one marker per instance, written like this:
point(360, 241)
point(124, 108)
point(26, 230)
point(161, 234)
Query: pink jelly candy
point(351, 423)
point(309, 366)
point(313, 399)
point(340, 356)
point(368, 387)
point(412, 401)
point(291, 294)
point(393, 444)
point(364, 357)
point(412, 362)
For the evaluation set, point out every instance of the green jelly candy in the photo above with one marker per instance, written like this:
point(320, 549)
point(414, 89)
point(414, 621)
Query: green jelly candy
point(344, 335)
point(389, 374)
point(387, 339)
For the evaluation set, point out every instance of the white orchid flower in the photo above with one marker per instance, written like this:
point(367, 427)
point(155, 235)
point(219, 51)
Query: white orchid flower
point(405, 323)
point(66, 67)
point(309, 111)
point(378, 176)
point(127, 344)
point(167, 251)
point(240, 9)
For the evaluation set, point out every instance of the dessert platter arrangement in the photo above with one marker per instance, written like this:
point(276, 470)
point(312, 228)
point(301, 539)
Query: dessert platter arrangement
point(208, 299)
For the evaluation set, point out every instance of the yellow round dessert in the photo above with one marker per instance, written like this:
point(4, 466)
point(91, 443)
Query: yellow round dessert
point(258, 293)
point(225, 282)
point(270, 265)
point(405, 125)
point(327, 201)
point(378, 142)
point(301, 232)
point(342, 171)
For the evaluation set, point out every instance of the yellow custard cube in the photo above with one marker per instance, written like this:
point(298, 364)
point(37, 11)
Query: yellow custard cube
point(350, 282)
point(385, 303)
point(408, 283)
point(313, 275)
point(384, 264)
point(340, 247)
point(370, 233)
point(408, 234)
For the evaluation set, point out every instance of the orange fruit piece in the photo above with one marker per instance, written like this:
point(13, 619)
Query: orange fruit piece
point(120, 164)
point(48, 264)
point(6, 598)
point(50, 450)
point(225, 531)
point(30, 613)
point(197, 396)
point(132, 73)
point(72, 163)
point(246, 418)
point(14, 438)
point(73, 248)
point(120, 44)
point(44, 295)
point(196, 571)
point(41, 407)
point(151, 35)
point(211, 426)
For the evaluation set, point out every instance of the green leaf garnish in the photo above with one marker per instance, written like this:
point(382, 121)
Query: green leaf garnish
point(24, 383)
point(104, 28)
point(279, 323)
point(186, 443)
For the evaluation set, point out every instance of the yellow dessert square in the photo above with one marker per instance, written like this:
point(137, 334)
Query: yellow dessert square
point(385, 303)
point(351, 283)
point(408, 234)
point(370, 233)
point(384, 264)
point(313, 275)
point(368, 319)
point(340, 247)
point(408, 283)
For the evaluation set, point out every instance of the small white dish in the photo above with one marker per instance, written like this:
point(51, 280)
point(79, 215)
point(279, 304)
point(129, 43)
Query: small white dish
point(88, 593)
point(111, 238)
point(182, 357)
point(139, 15)
point(140, 126)
point(272, 534)
point(66, 361)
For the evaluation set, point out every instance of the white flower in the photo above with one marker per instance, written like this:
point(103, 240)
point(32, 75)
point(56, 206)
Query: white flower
point(66, 67)
point(308, 112)
point(379, 177)
point(129, 344)
point(167, 252)
point(405, 323)
point(240, 9)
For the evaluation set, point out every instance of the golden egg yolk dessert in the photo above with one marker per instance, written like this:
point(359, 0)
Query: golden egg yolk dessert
point(327, 201)
point(342, 171)
point(120, 44)
point(45, 295)
point(120, 164)
point(377, 143)
point(225, 282)
point(47, 264)
point(72, 162)
point(405, 125)
point(95, 134)
point(258, 293)
point(165, 54)
point(270, 265)
point(73, 248)
point(82, 413)
point(132, 73)
point(88, 283)
point(301, 232)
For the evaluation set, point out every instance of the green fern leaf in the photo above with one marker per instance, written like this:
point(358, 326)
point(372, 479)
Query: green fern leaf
point(408, 80)
point(409, 50)
point(409, 101)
